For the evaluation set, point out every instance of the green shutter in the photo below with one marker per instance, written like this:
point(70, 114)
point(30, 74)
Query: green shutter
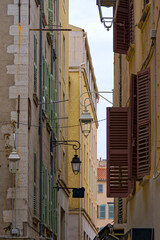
point(50, 14)
point(55, 210)
point(50, 203)
point(35, 186)
point(52, 99)
point(35, 64)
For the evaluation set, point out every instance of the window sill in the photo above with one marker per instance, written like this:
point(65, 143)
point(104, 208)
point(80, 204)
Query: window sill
point(130, 52)
point(144, 16)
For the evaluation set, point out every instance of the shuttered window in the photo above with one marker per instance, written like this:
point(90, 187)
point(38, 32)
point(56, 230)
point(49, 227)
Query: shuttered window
point(102, 211)
point(35, 184)
point(118, 152)
point(100, 188)
point(143, 123)
point(133, 107)
point(55, 219)
point(121, 28)
point(50, 14)
point(35, 64)
point(131, 21)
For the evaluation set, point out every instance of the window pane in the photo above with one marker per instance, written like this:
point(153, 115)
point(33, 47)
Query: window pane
point(100, 188)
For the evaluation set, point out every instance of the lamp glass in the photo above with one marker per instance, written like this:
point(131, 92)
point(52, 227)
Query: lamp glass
point(76, 163)
point(86, 122)
point(14, 157)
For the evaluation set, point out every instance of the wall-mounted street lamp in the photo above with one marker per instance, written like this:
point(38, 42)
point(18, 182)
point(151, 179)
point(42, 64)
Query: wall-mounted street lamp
point(107, 21)
point(76, 163)
point(86, 119)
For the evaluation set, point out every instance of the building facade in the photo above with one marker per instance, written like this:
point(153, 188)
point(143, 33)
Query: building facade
point(83, 211)
point(133, 122)
point(105, 206)
point(33, 77)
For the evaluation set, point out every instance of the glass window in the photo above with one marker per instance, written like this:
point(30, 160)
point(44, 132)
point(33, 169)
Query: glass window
point(102, 211)
point(110, 211)
point(100, 188)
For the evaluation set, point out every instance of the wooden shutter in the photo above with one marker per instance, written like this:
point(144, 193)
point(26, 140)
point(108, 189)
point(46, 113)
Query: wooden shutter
point(121, 28)
point(143, 123)
point(118, 152)
point(133, 107)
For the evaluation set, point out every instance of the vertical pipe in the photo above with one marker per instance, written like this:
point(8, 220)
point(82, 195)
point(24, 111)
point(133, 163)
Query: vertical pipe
point(41, 152)
point(52, 154)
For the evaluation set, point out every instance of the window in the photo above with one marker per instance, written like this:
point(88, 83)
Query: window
point(102, 211)
point(110, 211)
point(100, 188)
point(133, 143)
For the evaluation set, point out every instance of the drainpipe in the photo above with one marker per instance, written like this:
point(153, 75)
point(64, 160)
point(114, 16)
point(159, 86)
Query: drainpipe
point(153, 37)
point(41, 152)
point(52, 154)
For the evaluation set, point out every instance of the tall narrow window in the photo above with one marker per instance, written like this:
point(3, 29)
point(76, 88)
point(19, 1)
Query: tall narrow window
point(100, 188)
point(35, 64)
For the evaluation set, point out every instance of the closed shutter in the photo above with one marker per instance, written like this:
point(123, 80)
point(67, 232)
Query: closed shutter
point(55, 215)
point(35, 64)
point(118, 152)
point(131, 21)
point(143, 123)
point(133, 107)
point(50, 14)
point(35, 185)
point(50, 203)
point(121, 28)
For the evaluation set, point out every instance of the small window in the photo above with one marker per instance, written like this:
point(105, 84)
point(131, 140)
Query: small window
point(102, 211)
point(110, 211)
point(100, 188)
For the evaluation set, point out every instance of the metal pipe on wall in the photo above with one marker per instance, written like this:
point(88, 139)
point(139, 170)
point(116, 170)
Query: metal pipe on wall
point(41, 145)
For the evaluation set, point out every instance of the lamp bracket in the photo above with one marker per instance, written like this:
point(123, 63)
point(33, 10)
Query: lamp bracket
point(74, 143)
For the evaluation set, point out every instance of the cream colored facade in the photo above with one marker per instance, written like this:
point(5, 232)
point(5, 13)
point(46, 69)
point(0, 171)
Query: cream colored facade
point(141, 209)
point(82, 212)
point(102, 199)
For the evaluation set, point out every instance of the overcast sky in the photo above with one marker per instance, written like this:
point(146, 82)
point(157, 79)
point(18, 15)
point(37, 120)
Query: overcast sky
point(85, 14)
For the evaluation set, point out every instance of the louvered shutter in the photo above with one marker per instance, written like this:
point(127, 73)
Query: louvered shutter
point(121, 28)
point(133, 107)
point(50, 14)
point(118, 152)
point(35, 64)
point(35, 185)
point(143, 123)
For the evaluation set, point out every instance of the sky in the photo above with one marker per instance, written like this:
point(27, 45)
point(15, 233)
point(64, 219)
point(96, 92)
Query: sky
point(85, 14)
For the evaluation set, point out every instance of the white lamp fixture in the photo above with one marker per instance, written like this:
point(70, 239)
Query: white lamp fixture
point(14, 157)
point(86, 122)
point(107, 21)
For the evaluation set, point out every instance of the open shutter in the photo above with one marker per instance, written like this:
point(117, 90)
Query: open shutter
point(133, 107)
point(143, 123)
point(121, 28)
point(118, 152)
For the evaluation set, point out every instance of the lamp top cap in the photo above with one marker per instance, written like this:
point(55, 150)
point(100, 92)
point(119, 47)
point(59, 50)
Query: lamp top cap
point(14, 157)
point(107, 3)
point(86, 116)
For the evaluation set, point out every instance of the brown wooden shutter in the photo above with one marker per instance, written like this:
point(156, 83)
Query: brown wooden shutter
point(133, 107)
point(143, 123)
point(118, 152)
point(121, 28)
